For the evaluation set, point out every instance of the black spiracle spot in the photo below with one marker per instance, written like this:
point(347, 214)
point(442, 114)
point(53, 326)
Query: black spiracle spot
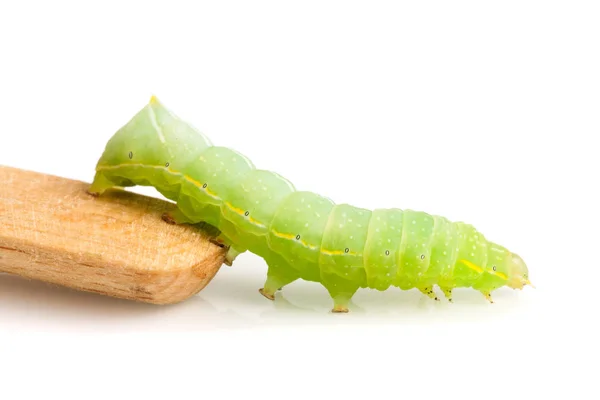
point(247, 213)
point(297, 237)
point(346, 250)
point(130, 155)
point(422, 256)
point(387, 252)
point(494, 268)
point(204, 187)
point(167, 165)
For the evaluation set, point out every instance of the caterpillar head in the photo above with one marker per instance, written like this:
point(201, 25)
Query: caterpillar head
point(518, 274)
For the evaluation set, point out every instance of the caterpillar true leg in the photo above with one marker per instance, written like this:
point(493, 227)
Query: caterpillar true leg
point(279, 274)
point(428, 291)
point(447, 293)
point(487, 296)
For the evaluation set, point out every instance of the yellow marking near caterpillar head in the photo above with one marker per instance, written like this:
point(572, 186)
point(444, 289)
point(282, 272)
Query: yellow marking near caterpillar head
point(478, 269)
point(499, 275)
point(241, 212)
point(474, 267)
point(289, 236)
point(153, 100)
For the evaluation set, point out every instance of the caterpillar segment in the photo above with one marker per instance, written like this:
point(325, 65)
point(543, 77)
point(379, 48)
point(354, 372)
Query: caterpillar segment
point(300, 234)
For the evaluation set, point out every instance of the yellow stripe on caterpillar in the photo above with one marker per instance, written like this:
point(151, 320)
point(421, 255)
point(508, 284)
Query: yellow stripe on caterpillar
point(201, 187)
point(474, 267)
point(499, 275)
point(167, 169)
point(290, 236)
point(339, 253)
point(480, 270)
point(241, 212)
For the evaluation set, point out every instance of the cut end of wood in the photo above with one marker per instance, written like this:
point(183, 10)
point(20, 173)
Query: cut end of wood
point(116, 244)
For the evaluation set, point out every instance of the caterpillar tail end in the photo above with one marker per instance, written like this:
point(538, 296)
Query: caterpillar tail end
point(99, 185)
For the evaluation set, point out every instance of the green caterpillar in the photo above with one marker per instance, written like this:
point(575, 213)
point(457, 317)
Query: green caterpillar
point(299, 234)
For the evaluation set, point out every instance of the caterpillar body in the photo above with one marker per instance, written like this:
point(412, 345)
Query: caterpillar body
point(300, 234)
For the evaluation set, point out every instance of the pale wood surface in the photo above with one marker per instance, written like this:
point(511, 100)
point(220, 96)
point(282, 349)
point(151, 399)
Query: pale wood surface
point(115, 244)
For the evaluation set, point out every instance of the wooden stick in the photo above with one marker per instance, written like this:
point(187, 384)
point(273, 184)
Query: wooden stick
point(115, 244)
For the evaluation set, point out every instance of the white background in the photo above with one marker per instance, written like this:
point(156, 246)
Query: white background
point(485, 112)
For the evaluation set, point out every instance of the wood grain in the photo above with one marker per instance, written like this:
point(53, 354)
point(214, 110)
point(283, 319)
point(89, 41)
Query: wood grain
point(116, 244)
